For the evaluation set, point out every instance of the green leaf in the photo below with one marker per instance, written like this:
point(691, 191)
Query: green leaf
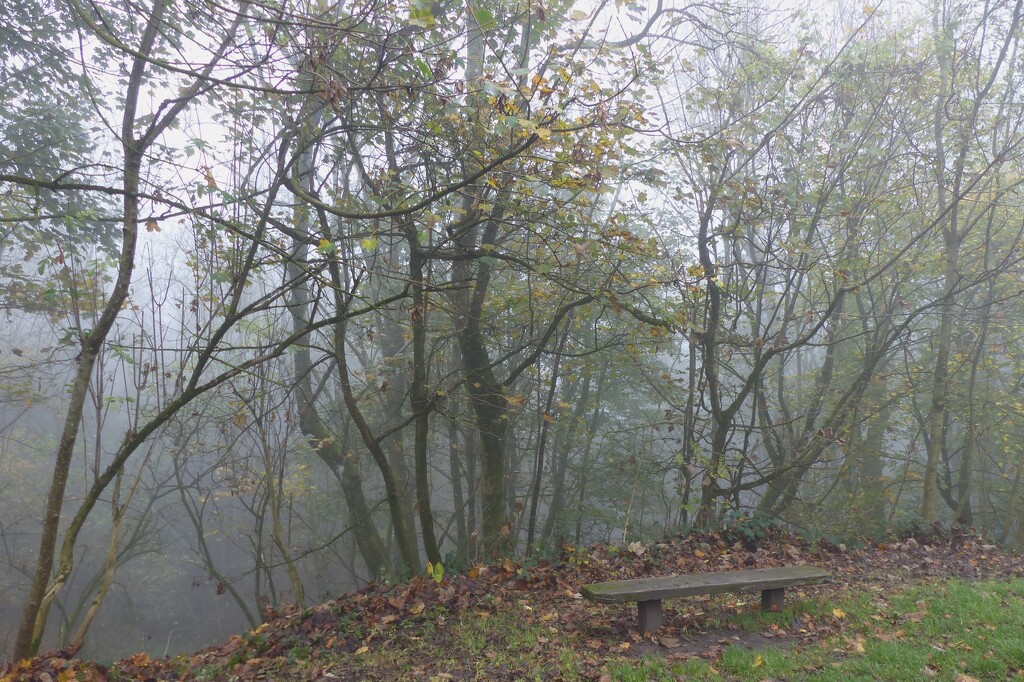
point(326, 248)
point(424, 69)
point(368, 243)
point(419, 15)
point(485, 19)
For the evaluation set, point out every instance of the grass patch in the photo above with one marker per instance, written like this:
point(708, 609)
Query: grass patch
point(653, 669)
point(949, 630)
point(941, 632)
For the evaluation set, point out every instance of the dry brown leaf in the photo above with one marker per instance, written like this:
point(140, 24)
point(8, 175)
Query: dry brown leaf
point(856, 644)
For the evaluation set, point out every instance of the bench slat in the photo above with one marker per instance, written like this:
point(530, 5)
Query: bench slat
point(647, 589)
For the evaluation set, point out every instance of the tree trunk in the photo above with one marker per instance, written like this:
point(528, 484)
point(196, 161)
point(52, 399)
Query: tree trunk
point(37, 604)
point(943, 341)
point(323, 440)
point(455, 468)
point(546, 418)
point(419, 396)
point(566, 443)
point(962, 513)
point(708, 342)
point(405, 536)
point(109, 567)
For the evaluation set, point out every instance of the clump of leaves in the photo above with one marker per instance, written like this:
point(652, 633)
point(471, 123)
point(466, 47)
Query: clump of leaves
point(254, 644)
point(750, 530)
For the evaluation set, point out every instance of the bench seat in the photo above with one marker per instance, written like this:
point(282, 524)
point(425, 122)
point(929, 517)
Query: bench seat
point(649, 592)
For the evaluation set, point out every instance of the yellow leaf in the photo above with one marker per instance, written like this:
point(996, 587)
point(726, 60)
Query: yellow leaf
point(362, 650)
point(543, 133)
point(699, 554)
point(839, 613)
point(758, 661)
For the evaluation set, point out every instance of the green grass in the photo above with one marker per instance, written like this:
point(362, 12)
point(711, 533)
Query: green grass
point(655, 669)
point(938, 632)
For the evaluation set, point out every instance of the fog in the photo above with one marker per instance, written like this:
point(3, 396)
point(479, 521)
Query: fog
point(297, 297)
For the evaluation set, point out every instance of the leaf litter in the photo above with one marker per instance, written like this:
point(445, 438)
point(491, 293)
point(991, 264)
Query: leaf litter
point(333, 640)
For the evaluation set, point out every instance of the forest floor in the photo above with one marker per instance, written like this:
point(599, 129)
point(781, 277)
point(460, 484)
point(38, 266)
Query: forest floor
point(941, 604)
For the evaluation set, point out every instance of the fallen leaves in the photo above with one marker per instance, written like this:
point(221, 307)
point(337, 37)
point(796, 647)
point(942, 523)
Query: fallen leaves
point(669, 642)
point(54, 668)
point(890, 636)
point(348, 632)
point(855, 645)
point(919, 615)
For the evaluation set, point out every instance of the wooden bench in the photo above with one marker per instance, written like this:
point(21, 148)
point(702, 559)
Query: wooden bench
point(649, 592)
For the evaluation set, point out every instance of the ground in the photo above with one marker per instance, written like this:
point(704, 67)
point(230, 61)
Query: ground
point(943, 604)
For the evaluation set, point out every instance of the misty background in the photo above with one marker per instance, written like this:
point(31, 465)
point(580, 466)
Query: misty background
point(296, 296)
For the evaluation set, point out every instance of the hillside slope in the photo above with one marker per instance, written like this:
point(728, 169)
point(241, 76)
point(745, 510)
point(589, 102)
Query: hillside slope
point(510, 621)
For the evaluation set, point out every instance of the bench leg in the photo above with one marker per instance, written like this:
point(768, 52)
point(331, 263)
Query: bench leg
point(772, 600)
point(650, 615)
